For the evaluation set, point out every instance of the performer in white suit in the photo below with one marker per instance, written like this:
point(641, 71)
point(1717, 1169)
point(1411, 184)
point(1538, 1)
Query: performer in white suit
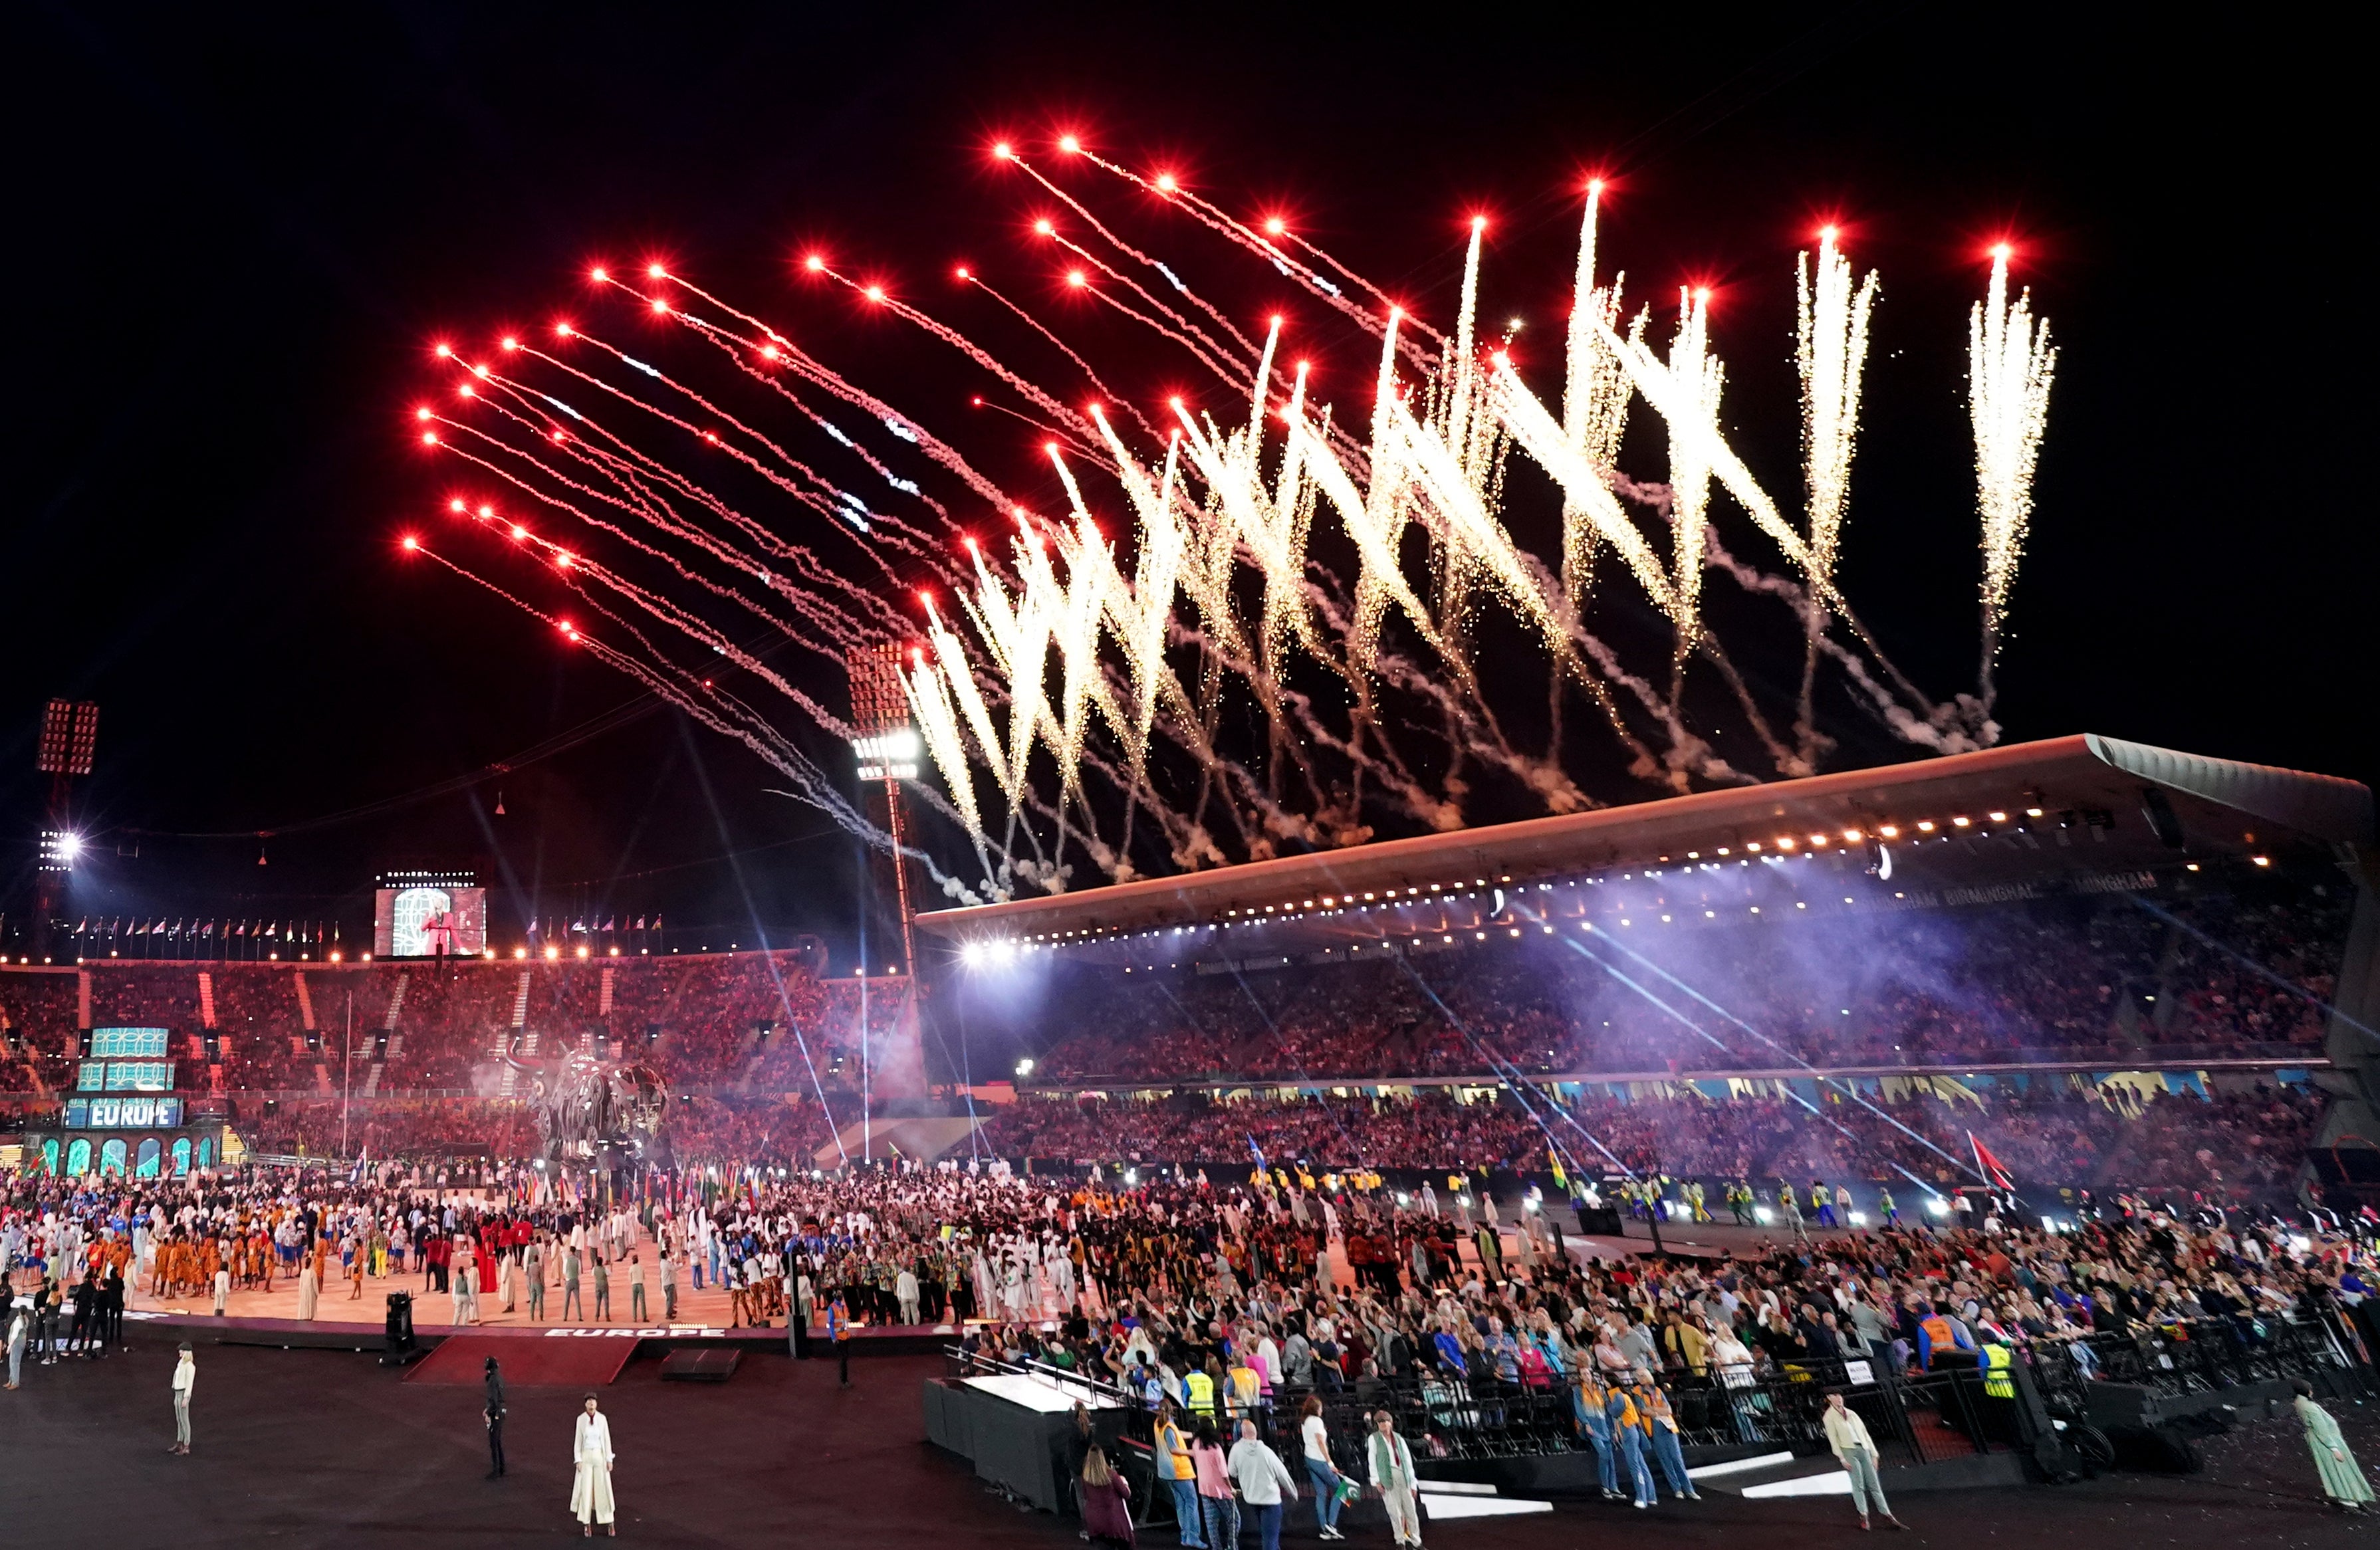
point(590, 1488)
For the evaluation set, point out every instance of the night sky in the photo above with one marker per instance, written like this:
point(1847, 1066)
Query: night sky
point(235, 239)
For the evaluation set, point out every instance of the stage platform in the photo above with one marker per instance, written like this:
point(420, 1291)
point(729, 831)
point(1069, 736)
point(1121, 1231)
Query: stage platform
point(461, 1360)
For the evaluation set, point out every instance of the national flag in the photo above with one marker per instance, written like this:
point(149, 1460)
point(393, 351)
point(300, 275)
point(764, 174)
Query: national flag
point(640, 924)
point(1256, 1151)
point(1995, 1172)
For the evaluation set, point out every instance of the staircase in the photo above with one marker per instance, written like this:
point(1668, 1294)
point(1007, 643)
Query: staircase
point(603, 993)
point(1774, 1474)
point(304, 1003)
point(520, 1021)
point(1442, 1499)
point(206, 999)
point(388, 1026)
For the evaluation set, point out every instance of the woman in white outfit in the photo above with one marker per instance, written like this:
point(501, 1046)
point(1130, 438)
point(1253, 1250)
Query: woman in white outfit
point(590, 1489)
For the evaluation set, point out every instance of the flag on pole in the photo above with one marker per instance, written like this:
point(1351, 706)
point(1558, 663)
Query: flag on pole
point(1995, 1172)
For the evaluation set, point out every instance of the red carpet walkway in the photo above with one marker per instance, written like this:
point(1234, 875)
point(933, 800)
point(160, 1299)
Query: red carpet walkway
point(558, 1362)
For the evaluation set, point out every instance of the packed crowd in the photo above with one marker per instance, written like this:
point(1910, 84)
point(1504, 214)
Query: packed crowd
point(1211, 1300)
point(760, 1018)
point(2239, 1146)
point(2235, 1146)
point(702, 1129)
point(2071, 978)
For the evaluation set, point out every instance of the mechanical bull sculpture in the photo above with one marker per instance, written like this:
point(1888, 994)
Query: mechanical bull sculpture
point(584, 1108)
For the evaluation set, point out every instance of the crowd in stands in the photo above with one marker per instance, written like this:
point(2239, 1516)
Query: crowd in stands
point(2076, 979)
point(2240, 1146)
point(702, 1130)
point(737, 1036)
point(756, 1020)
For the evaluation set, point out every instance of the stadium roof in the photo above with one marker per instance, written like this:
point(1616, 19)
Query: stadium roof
point(2085, 812)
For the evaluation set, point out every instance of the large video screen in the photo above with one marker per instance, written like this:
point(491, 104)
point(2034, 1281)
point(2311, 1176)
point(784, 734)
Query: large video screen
point(423, 920)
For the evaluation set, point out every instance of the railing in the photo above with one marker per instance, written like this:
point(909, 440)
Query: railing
point(1915, 1419)
point(2197, 1356)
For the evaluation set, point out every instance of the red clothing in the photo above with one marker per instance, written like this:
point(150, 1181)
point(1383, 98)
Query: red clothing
point(1107, 1510)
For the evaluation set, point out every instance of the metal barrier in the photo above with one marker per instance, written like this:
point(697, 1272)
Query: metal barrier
point(2197, 1356)
point(1915, 1419)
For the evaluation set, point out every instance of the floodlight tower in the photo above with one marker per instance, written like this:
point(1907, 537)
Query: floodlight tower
point(886, 749)
point(69, 732)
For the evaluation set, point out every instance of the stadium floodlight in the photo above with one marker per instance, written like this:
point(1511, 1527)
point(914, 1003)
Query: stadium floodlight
point(888, 756)
point(69, 733)
point(1025, 1067)
point(60, 849)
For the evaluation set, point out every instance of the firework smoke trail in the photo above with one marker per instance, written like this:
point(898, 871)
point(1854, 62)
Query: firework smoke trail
point(968, 276)
point(1222, 359)
point(1216, 220)
point(830, 616)
point(669, 685)
point(629, 469)
point(582, 570)
point(2009, 363)
point(1073, 422)
point(776, 347)
point(1223, 370)
point(752, 531)
point(727, 340)
point(1165, 185)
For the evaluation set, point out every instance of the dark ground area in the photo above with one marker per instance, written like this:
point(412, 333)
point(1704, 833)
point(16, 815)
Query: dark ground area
point(320, 1447)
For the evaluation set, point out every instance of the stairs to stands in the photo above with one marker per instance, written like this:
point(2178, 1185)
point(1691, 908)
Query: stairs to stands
point(520, 1021)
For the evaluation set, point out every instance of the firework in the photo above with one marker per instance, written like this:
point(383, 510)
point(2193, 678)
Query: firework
point(1089, 693)
point(2009, 365)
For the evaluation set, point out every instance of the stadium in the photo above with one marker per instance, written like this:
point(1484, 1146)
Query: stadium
point(2056, 922)
point(1280, 865)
